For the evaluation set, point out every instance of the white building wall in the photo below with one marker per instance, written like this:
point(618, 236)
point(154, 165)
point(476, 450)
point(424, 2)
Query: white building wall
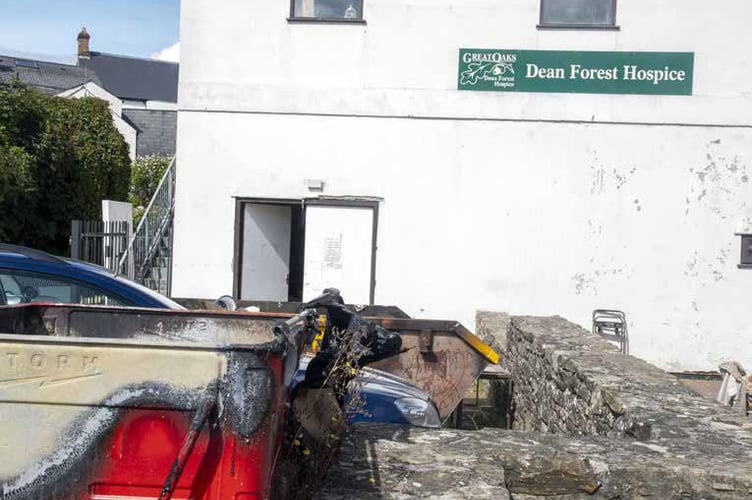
point(528, 203)
point(247, 57)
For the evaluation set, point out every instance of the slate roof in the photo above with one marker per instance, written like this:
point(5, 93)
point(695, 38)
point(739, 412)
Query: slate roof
point(135, 78)
point(50, 78)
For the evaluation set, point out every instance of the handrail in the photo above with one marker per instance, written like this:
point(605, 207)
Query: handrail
point(168, 172)
point(151, 250)
point(155, 221)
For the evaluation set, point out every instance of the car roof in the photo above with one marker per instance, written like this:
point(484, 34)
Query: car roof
point(29, 252)
point(15, 251)
point(30, 259)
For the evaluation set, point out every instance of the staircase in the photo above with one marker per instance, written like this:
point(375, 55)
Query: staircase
point(148, 257)
point(158, 277)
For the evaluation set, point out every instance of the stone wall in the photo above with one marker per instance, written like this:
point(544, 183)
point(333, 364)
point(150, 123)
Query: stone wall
point(492, 328)
point(400, 463)
point(570, 382)
point(611, 426)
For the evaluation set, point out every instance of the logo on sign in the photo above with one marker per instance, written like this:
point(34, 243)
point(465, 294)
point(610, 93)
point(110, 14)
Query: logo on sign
point(495, 68)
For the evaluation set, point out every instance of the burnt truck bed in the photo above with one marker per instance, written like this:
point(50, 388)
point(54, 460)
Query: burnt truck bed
point(102, 402)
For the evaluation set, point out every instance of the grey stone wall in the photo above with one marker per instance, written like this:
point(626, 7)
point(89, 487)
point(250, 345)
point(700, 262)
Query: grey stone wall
point(394, 462)
point(591, 423)
point(492, 328)
point(570, 382)
point(157, 131)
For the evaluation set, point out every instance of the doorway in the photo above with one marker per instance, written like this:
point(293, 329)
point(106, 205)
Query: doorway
point(291, 250)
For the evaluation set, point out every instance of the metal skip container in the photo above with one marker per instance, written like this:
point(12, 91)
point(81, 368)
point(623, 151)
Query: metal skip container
point(108, 403)
point(442, 358)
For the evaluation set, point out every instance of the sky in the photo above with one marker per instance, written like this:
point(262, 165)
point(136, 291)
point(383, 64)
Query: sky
point(47, 29)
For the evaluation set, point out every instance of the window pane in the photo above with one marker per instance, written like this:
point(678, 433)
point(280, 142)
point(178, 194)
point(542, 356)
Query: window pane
point(582, 12)
point(746, 250)
point(329, 9)
point(26, 287)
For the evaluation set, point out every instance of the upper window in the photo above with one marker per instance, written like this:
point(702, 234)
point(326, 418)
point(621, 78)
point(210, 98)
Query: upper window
point(578, 13)
point(19, 287)
point(327, 10)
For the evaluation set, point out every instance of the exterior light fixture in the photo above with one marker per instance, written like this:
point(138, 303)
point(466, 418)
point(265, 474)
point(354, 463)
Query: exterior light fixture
point(315, 184)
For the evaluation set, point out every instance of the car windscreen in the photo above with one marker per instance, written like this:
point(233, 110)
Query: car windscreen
point(25, 287)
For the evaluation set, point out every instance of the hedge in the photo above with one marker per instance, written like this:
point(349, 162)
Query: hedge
point(58, 159)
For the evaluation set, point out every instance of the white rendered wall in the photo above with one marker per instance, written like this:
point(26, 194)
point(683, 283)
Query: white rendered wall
point(553, 219)
point(245, 56)
point(526, 203)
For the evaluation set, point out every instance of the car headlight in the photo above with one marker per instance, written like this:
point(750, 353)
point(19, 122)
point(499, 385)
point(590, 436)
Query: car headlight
point(418, 412)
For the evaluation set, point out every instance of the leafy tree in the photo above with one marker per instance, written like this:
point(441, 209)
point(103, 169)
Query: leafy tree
point(146, 173)
point(17, 192)
point(58, 159)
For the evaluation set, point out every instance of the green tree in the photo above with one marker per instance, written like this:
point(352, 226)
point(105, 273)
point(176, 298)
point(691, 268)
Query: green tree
point(17, 192)
point(58, 159)
point(146, 173)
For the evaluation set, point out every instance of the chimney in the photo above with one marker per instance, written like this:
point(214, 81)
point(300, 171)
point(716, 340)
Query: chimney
point(83, 44)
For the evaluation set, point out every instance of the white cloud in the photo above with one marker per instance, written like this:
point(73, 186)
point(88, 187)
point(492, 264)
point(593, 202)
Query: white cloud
point(171, 53)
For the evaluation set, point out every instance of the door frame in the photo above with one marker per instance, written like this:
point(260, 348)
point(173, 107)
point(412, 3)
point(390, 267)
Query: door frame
point(237, 260)
point(237, 252)
point(355, 203)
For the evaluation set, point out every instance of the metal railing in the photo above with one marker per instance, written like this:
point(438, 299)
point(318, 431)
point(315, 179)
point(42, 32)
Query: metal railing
point(99, 242)
point(148, 257)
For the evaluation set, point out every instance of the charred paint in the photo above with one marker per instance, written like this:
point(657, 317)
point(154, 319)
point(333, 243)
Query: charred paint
point(248, 391)
point(59, 472)
point(176, 470)
point(68, 437)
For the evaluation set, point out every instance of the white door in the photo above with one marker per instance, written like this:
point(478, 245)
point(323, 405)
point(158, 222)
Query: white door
point(266, 252)
point(338, 248)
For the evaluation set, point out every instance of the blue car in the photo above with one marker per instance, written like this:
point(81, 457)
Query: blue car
point(31, 276)
point(383, 398)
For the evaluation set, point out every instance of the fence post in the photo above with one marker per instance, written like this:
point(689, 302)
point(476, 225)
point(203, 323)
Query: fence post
point(75, 239)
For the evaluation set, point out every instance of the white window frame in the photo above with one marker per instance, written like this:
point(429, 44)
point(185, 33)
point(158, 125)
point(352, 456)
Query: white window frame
point(570, 25)
point(357, 4)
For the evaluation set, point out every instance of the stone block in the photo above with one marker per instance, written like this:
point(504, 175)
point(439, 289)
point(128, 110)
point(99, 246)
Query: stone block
point(492, 328)
point(395, 462)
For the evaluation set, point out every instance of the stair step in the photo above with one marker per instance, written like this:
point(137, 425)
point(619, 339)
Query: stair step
point(157, 270)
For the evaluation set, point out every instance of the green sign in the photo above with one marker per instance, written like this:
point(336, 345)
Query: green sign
point(665, 73)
